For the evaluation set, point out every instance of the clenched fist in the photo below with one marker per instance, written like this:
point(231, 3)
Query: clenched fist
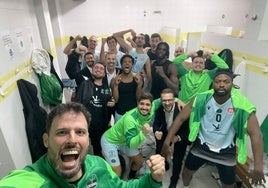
point(146, 129)
point(158, 135)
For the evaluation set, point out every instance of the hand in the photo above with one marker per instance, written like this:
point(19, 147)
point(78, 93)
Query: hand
point(176, 138)
point(111, 102)
point(207, 55)
point(180, 105)
point(133, 33)
point(129, 39)
point(192, 54)
point(78, 37)
point(166, 150)
point(146, 49)
point(138, 79)
point(159, 70)
point(257, 177)
point(156, 164)
point(117, 79)
point(146, 129)
point(81, 49)
point(103, 40)
point(158, 135)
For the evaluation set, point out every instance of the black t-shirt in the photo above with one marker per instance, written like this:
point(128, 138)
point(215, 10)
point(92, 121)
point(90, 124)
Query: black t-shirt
point(151, 55)
point(97, 107)
point(158, 84)
point(127, 97)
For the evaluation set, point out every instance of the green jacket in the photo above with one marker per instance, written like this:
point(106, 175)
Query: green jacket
point(97, 173)
point(128, 129)
point(242, 109)
point(192, 83)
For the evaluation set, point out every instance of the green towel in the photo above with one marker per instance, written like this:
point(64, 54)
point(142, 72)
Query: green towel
point(264, 130)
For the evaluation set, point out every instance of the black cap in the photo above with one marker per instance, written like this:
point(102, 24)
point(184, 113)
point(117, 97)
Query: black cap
point(227, 72)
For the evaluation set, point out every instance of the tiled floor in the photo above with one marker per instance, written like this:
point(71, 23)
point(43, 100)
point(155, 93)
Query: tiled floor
point(202, 179)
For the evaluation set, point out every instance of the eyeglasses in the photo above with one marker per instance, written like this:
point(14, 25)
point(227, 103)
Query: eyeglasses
point(167, 100)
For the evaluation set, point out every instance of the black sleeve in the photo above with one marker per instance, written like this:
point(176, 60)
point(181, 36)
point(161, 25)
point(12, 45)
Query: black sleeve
point(73, 66)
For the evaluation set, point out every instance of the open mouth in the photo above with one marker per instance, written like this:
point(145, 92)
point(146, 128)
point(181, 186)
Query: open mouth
point(144, 111)
point(127, 68)
point(69, 156)
point(221, 90)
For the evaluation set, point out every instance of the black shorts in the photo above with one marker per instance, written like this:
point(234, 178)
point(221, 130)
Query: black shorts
point(226, 173)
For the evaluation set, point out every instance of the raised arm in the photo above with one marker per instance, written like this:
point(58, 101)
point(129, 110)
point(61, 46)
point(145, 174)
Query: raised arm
point(69, 48)
point(114, 85)
point(219, 62)
point(147, 66)
point(132, 43)
point(120, 38)
point(102, 52)
point(181, 70)
point(139, 81)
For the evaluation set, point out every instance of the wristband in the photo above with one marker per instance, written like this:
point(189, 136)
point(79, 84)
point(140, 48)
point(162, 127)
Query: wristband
point(179, 138)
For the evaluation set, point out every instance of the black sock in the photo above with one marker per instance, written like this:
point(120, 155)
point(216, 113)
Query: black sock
point(132, 174)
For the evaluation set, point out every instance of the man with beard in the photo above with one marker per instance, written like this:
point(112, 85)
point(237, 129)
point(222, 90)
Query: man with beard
point(67, 163)
point(85, 73)
point(141, 59)
point(75, 53)
point(128, 133)
point(164, 72)
point(154, 41)
point(96, 96)
point(112, 48)
point(219, 119)
point(111, 70)
point(196, 79)
point(91, 45)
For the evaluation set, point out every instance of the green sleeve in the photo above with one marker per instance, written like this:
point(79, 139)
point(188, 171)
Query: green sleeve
point(146, 181)
point(219, 62)
point(22, 178)
point(178, 62)
point(156, 104)
point(133, 136)
point(134, 139)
